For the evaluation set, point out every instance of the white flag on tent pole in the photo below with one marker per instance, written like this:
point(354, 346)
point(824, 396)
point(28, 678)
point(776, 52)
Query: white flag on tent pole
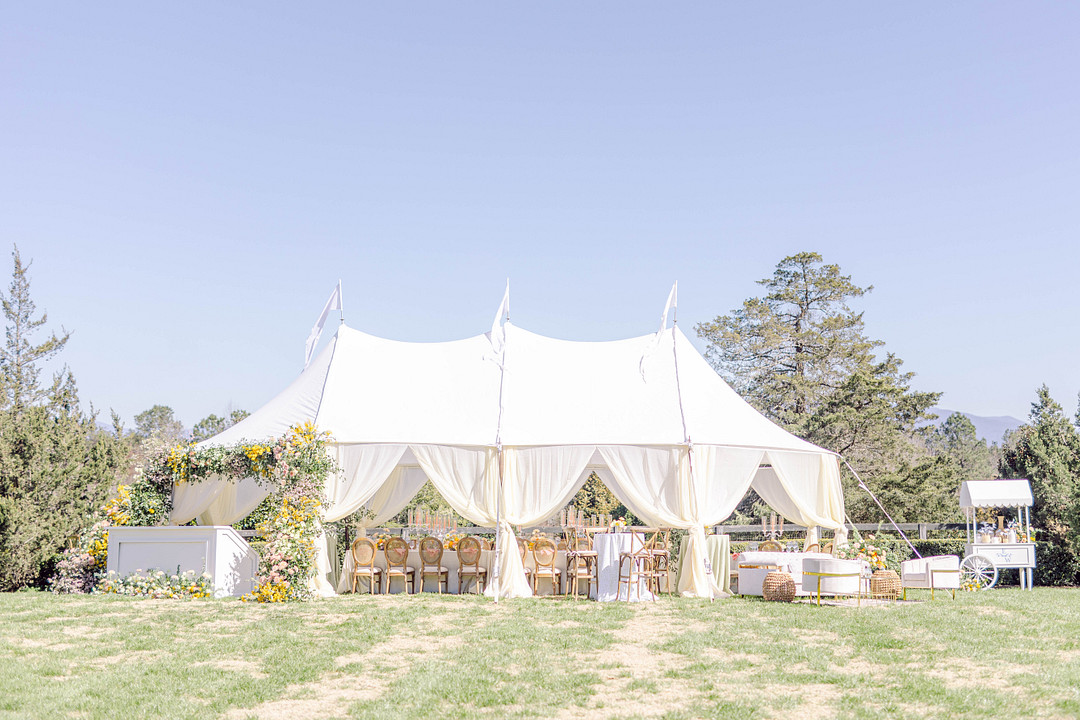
point(669, 308)
point(334, 303)
point(498, 332)
point(672, 302)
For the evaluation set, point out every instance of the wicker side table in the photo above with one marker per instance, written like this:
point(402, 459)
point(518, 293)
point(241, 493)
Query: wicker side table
point(778, 587)
point(885, 585)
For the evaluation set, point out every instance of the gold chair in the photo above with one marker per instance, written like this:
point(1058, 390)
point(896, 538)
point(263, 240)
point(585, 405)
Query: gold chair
point(396, 551)
point(634, 566)
point(812, 547)
point(544, 553)
point(468, 552)
point(431, 552)
point(363, 554)
point(770, 546)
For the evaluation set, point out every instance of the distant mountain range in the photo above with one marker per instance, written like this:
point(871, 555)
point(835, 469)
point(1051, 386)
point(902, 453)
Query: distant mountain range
point(990, 429)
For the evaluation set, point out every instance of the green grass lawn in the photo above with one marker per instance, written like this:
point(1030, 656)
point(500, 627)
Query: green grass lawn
point(993, 654)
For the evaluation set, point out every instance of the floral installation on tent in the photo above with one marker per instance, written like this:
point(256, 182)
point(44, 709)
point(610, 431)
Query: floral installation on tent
point(296, 465)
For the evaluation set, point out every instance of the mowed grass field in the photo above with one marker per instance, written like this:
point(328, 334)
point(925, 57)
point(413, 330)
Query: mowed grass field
point(1000, 653)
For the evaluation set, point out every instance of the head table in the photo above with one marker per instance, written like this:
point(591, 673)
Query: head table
point(449, 561)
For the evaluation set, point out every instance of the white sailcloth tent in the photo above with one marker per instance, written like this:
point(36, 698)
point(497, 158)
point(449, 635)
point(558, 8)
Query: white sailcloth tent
point(508, 425)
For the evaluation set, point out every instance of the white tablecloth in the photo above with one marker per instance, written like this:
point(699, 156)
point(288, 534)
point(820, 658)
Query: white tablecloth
point(608, 547)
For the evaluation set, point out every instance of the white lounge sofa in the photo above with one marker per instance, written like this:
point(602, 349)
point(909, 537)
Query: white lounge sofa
point(940, 572)
point(752, 567)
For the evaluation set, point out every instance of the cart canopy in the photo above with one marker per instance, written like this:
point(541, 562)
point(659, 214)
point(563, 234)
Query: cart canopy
point(995, 493)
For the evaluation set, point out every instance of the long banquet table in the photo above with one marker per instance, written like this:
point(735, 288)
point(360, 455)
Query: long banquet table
point(449, 561)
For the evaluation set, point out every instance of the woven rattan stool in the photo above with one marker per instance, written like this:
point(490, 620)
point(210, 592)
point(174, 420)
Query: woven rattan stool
point(778, 587)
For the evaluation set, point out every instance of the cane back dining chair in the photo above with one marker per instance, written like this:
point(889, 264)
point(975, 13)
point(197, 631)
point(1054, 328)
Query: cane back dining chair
point(431, 552)
point(396, 551)
point(469, 554)
point(544, 554)
point(363, 556)
point(635, 566)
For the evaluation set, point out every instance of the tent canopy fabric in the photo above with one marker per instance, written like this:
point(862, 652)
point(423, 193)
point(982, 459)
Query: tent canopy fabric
point(366, 389)
point(995, 493)
point(511, 428)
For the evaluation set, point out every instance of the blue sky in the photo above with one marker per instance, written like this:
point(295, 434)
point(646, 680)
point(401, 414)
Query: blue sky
point(191, 180)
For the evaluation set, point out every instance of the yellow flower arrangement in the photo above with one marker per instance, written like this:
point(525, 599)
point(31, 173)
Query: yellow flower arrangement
point(177, 462)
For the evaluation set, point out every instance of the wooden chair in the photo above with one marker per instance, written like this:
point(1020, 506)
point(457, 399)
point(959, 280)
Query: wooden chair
point(659, 547)
point(431, 552)
point(396, 551)
point(544, 553)
point(812, 547)
point(634, 566)
point(580, 565)
point(771, 546)
point(468, 552)
point(523, 548)
point(363, 554)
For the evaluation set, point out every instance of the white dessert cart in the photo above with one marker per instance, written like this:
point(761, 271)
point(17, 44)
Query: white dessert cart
point(986, 554)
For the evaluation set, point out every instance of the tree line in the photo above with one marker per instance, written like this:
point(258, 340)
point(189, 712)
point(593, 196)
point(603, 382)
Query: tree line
point(799, 353)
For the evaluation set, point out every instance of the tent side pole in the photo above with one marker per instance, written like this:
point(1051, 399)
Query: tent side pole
point(498, 526)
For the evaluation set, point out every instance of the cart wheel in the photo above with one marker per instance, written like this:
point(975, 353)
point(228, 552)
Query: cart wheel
point(978, 572)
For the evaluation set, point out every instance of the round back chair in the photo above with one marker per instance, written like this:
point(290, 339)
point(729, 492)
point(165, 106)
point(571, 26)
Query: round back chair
point(431, 551)
point(396, 551)
point(468, 551)
point(363, 552)
point(544, 551)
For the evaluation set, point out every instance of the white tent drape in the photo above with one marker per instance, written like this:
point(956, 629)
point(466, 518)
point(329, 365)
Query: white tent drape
point(804, 488)
point(536, 483)
point(364, 470)
point(404, 482)
point(657, 485)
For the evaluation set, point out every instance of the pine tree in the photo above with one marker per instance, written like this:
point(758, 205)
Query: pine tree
point(801, 356)
point(19, 358)
point(1046, 451)
point(55, 464)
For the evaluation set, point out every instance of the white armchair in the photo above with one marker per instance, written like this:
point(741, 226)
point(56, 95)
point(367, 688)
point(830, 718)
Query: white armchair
point(832, 576)
point(940, 572)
